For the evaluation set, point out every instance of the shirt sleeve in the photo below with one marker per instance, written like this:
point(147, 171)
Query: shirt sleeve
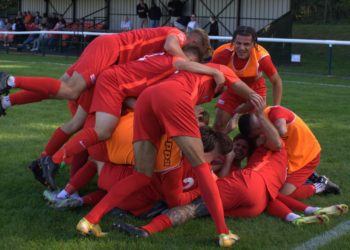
point(230, 76)
point(266, 65)
point(278, 112)
point(181, 37)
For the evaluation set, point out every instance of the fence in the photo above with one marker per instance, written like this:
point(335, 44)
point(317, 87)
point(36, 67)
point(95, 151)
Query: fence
point(73, 42)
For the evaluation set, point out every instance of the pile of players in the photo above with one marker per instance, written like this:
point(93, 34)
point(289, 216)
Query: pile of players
point(136, 123)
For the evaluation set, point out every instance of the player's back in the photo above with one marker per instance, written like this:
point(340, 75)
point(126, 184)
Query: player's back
point(137, 43)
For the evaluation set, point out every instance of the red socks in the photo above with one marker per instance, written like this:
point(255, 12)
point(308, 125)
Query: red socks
point(25, 96)
point(56, 141)
point(158, 224)
point(283, 205)
point(80, 142)
point(292, 203)
point(46, 85)
point(94, 197)
point(211, 196)
point(303, 192)
point(81, 178)
point(118, 193)
point(78, 161)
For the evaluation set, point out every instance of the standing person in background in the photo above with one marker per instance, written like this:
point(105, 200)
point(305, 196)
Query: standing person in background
point(126, 24)
point(193, 24)
point(142, 11)
point(213, 31)
point(37, 18)
point(154, 15)
point(175, 10)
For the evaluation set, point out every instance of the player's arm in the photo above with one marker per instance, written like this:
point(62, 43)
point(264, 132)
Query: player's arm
point(173, 47)
point(172, 189)
point(226, 168)
point(199, 68)
point(267, 66)
point(276, 88)
point(247, 93)
point(281, 126)
point(271, 135)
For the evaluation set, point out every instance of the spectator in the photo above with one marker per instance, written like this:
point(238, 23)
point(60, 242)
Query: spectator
point(193, 24)
point(28, 41)
point(28, 19)
point(44, 19)
point(175, 10)
point(40, 41)
point(142, 11)
point(19, 15)
point(18, 25)
point(181, 22)
point(37, 18)
point(126, 24)
point(2, 24)
point(213, 30)
point(154, 15)
point(52, 20)
point(62, 22)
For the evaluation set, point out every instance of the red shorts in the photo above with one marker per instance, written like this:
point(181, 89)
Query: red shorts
point(102, 52)
point(243, 196)
point(164, 108)
point(229, 100)
point(111, 174)
point(299, 177)
point(107, 96)
point(142, 201)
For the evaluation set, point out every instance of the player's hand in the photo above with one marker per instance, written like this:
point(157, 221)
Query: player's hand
point(257, 101)
point(219, 78)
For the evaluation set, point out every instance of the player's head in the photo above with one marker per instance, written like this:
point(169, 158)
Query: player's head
point(193, 52)
point(249, 125)
point(215, 143)
point(244, 39)
point(200, 38)
point(242, 147)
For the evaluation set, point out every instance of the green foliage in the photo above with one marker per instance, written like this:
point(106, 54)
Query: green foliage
point(325, 10)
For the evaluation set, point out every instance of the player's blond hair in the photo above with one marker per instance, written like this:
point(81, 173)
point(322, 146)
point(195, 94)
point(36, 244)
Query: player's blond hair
point(206, 48)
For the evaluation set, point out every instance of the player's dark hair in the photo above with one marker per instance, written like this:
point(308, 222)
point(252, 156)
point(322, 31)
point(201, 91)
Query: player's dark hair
point(210, 138)
point(250, 141)
point(194, 50)
point(244, 125)
point(204, 117)
point(245, 31)
point(225, 143)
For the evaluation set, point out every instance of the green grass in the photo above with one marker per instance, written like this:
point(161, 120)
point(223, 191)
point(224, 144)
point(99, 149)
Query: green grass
point(314, 58)
point(27, 223)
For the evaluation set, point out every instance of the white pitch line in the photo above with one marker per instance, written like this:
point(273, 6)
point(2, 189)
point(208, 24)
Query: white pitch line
point(326, 237)
point(17, 62)
point(320, 84)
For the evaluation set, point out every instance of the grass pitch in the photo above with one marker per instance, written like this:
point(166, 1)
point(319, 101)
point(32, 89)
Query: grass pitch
point(27, 223)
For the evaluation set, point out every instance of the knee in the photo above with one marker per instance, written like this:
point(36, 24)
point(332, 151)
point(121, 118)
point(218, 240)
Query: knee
point(103, 134)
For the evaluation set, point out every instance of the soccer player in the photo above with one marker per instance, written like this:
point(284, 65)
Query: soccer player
point(168, 107)
point(249, 61)
point(113, 86)
point(101, 53)
point(304, 150)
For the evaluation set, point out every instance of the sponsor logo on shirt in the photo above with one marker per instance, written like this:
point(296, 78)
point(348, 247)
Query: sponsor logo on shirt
point(188, 183)
point(93, 78)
